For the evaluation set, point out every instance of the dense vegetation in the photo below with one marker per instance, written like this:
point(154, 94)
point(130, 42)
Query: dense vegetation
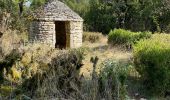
point(151, 59)
point(135, 15)
point(103, 15)
point(36, 71)
point(125, 37)
point(114, 73)
point(33, 64)
point(62, 74)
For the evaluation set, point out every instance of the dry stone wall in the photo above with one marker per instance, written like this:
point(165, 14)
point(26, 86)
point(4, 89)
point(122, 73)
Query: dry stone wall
point(68, 35)
point(43, 31)
point(43, 28)
point(76, 31)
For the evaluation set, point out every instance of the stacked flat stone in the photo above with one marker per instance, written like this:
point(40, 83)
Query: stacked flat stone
point(56, 10)
point(43, 27)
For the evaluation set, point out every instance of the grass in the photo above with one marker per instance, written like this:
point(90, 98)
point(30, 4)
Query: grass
point(103, 51)
point(34, 56)
point(92, 37)
point(135, 89)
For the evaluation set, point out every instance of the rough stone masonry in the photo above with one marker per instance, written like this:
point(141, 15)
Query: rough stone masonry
point(43, 27)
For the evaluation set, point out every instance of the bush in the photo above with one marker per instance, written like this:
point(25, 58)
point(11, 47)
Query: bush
point(113, 77)
point(92, 37)
point(125, 37)
point(151, 57)
point(7, 62)
point(25, 61)
point(60, 79)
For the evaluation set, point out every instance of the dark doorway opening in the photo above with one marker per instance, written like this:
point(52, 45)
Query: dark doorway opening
point(60, 29)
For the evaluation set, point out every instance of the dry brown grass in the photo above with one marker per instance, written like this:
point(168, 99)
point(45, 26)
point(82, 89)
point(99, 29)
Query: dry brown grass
point(103, 51)
point(10, 40)
point(92, 37)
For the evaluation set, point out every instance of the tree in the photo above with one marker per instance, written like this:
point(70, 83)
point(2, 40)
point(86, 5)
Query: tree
point(37, 3)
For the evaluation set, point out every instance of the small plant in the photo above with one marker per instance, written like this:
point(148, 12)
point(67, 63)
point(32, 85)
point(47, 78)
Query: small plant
point(151, 58)
point(126, 37)
point(113, 78)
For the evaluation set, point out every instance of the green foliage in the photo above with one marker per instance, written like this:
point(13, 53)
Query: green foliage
point(151, 58)
point(6, 90)
point(10, 59)
point(37, 3)
point(114, 74)
point(136, 15)
point(102, 15)
point(7, 62)
point(13, 20)
point(7, 5)
point(126, 37)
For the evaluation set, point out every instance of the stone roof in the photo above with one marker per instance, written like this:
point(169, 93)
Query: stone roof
point(56, 11)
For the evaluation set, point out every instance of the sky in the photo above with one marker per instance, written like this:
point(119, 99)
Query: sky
point(28, 3)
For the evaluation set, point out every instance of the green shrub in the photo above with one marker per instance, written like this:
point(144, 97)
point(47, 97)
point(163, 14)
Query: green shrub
point(7, 62)
point(152, 61)
point(92, 37)
point(126, 37)
point(113, 78)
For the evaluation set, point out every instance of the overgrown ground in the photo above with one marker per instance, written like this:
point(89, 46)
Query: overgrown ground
point(103, 51)
point(94, 45)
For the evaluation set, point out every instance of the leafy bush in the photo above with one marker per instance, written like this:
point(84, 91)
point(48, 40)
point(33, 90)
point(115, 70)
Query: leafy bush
point(25, 61)
point(151, 57)
point(92, 37)
point(60, 79)
point(125, 37)
point(7, 62)
point(113, 78)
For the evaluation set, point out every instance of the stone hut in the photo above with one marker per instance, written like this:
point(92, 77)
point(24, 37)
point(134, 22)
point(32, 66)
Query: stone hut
point(56, 24)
